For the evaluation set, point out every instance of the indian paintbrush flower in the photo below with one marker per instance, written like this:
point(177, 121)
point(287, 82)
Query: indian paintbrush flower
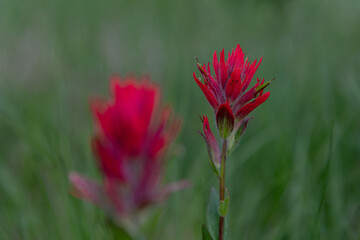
point(226, 91)
point(228, 94)
point(134, 132)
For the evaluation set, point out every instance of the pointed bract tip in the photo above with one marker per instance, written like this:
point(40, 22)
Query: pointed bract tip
point(202, 118)
point(262, 86)
point(205, 121)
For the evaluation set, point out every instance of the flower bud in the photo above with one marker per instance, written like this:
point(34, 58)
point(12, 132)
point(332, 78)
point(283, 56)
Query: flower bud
point(212, 146)
point(225, 120)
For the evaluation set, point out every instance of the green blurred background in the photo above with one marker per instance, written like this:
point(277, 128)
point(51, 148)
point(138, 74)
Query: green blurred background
point(296, 173)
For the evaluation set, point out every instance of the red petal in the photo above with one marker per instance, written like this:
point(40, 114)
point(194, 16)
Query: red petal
point(110, 160)
point(234, 84)
point(216, 68)
point(245, 110)
point(239, 57)
point(210, 81)
point(239, 103)
point(208, 94)
point(223, 74)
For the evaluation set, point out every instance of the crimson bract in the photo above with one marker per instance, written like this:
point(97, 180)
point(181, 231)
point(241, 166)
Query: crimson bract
point(227, 90)
point(133, 133)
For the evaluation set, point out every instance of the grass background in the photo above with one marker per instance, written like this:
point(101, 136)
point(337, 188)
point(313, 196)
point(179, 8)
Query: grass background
point(296, 173)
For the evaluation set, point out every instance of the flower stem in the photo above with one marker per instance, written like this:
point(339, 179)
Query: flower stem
point(222, 188)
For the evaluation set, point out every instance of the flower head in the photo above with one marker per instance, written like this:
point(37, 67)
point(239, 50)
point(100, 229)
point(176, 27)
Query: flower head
point(229, 85)
point(133, 134)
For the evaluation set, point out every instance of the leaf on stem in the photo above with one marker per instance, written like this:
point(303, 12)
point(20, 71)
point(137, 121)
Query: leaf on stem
point(205, 233)
point(212, 214)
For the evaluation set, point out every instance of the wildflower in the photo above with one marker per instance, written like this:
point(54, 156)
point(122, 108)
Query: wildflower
point(227, 92)
point(134, 132)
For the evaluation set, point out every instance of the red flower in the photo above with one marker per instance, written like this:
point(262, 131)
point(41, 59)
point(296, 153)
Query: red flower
point(133, 135)
point(230, 83)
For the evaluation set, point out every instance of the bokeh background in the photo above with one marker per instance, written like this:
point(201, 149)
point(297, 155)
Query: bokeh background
point(296, 173)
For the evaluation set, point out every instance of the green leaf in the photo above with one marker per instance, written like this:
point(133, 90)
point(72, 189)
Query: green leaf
point(224, 205)
point(212, 214)
point(205, 233)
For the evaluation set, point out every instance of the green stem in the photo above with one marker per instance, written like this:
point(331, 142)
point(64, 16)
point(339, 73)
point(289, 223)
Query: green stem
point(222, 188)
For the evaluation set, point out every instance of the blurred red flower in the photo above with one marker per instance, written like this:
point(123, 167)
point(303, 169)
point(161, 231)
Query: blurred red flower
point(230, 83)
point(133, 134)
